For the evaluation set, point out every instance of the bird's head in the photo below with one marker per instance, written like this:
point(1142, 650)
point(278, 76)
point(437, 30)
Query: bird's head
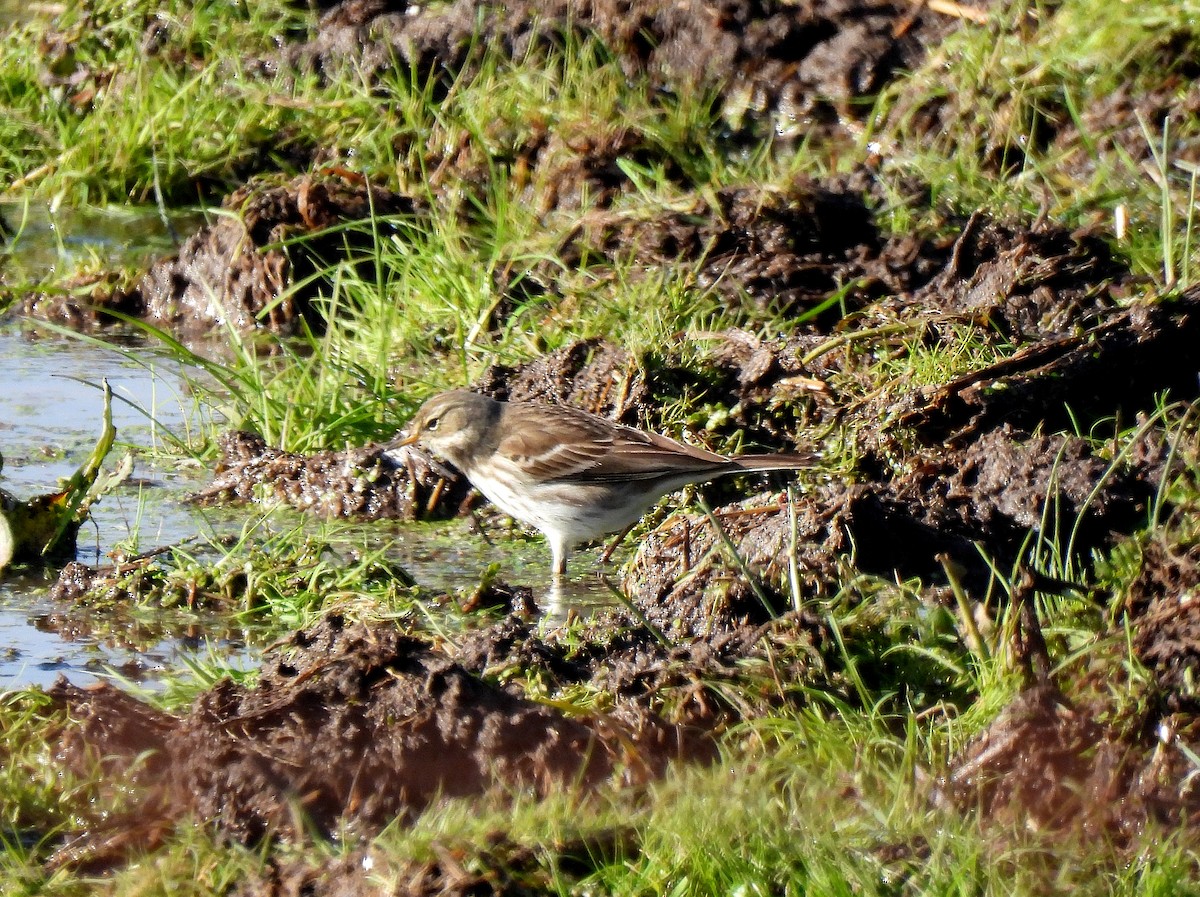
point(453, 425)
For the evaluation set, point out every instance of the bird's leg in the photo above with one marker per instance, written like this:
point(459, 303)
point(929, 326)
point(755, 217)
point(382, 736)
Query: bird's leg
point(558, 553)
point(612, 546)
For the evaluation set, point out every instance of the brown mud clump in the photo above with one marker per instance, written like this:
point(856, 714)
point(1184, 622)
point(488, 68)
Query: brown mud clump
point(237, 270)
point(993, 491)
point(788, 251)
point(1047, 764)
point(365, 484)
point(682, 680)
point(593, 374)
point(359, 483)
point(801, 67)
point(347, 729)
point(1164, 605)
point(1108, 752)
point(1117, 366)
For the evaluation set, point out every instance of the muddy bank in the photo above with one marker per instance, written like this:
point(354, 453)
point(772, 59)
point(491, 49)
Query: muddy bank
point(991, 494)
point(358, 724)
point(786, 70)
point(1102, 751)
point(352, 726)
point(810, 250)
point(239, 270)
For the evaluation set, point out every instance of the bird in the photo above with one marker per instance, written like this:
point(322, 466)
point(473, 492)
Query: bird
point(572, 475)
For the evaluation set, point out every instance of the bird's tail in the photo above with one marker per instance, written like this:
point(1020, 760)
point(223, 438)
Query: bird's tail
point(794, 461)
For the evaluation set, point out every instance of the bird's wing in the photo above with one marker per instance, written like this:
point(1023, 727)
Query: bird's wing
point(574, 446)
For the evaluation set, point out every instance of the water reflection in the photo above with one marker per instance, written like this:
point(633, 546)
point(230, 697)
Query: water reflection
point(452, 557)
point(39, 242)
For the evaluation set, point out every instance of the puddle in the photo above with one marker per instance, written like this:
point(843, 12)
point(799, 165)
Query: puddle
point(50, 409)
point(41, 241)
point(42, 640)
point(452, 556)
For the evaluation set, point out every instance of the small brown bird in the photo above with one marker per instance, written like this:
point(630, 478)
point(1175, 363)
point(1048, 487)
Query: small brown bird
point(570, 474)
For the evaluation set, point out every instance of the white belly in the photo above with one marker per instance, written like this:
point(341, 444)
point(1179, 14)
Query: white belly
point(571, 513)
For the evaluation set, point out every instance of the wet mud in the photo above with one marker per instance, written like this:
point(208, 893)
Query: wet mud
point(592, 374)
point(1048, 764)
point(361, 483)
point(992, 493)
point(680, 679)
point(407, 484)
point(349, 727)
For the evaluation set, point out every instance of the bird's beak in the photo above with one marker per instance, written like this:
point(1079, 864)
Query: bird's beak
point(410, 439)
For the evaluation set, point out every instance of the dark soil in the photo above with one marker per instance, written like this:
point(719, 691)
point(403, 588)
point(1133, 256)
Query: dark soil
point(992, 492)
point(1117, 367)
point(679, 678)
point(1164, 602)
point(351, 726)
point(591, 374)
point(363, 483)
point(785, 251)
point(803, 68)
point(1048, 764)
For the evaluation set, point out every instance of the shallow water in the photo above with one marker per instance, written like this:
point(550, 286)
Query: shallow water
point(50, 417)
point(451, 557)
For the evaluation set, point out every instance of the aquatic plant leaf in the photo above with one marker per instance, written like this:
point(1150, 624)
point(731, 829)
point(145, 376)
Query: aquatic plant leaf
point(45, 526)
point(6, 541)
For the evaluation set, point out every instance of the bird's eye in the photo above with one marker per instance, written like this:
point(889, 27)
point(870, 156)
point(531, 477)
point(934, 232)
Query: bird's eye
point(432, 424)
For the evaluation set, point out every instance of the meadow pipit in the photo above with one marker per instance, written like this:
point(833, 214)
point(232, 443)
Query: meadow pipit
point(573, 475)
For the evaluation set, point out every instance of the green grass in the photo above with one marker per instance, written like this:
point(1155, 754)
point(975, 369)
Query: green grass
point(1013, 137)
point(829, 790)
point(140, 125)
